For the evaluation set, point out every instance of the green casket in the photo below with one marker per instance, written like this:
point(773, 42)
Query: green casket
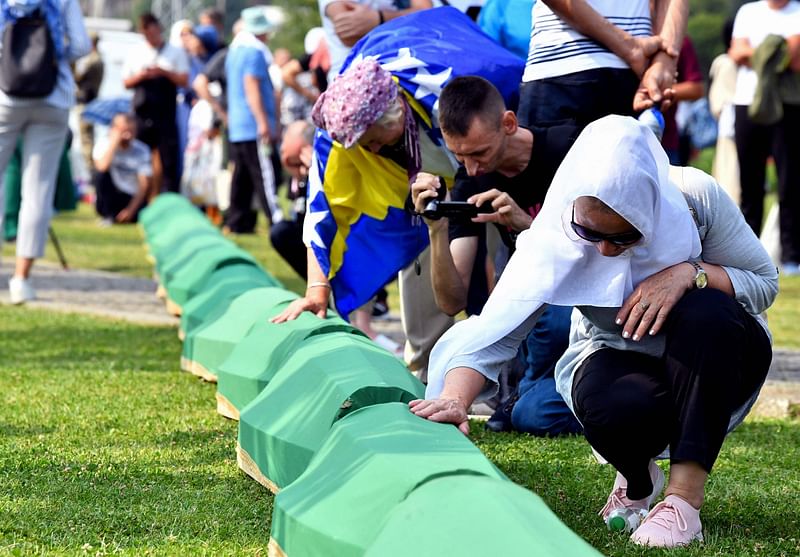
point(327, 378)
point(254, 362)
point(191, 279)
point(161, 209)
point(473, 515)
point(223, 286)
point(178, 253)
point(367, 466)
point(174, 226)
point(209, 345)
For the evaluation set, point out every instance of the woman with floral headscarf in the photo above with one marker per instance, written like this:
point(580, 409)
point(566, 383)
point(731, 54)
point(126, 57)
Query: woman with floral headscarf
point(668, 348)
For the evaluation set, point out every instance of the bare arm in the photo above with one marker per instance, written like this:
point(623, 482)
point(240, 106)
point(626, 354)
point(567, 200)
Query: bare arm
point(451, 262)
point(462, 386)
point(741, 51)
point(103, 163)
point(352, 21)
point(583, 18)
point(669, 23)
point(688, 90)
point(252, 92)
point(200, 86)
point(129, 212)
point(179, 79)
point(451, 269)
point(289, 73)
point(316, 296)
point(794, 52)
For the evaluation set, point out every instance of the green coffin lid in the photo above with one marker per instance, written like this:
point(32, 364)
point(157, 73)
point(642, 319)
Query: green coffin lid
point(174, 226)
point(190, 280)
point(469, 515)
point(368, 464)
point(254, 362)
point(185, 245)
point(223, 286)
point(208, 346)
point(328, 377)
point(161, 207)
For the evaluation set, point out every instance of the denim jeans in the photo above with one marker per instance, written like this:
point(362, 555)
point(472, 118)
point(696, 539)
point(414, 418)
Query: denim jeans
point(540, 410)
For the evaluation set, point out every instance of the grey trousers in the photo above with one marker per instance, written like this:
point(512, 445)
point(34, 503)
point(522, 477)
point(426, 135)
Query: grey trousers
point(423, 321)
point(43, 129)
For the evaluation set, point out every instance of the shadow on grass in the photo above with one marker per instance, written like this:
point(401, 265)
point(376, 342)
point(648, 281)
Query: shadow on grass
point(14, 430)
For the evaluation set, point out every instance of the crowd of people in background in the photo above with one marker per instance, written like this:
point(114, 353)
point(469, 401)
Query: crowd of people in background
point(228, 122)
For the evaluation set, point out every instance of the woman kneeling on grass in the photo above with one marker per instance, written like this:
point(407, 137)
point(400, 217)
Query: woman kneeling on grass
point(667, 349)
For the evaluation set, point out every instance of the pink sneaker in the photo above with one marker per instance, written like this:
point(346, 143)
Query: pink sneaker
point(618, 499)
point(671, 523)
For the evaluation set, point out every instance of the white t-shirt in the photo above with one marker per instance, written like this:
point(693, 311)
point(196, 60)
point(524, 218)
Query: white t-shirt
point(754, 21)
point(127, 164)
point(169, 58)
point(557, 49)
point(337, 49)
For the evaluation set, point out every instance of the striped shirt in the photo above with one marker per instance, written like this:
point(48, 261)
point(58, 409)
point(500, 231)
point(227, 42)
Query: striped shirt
point(76, 45)
point(557, 49)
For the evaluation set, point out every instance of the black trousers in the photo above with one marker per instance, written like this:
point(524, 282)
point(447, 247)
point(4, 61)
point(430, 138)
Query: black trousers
point(632, 405)
point(754, 144)
point(161, 134)
point(252, 173)
point(109, 200)
point(287, 239)
point(580, 97)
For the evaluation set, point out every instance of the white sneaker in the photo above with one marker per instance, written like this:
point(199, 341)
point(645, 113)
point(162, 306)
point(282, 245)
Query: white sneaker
point(20, 290)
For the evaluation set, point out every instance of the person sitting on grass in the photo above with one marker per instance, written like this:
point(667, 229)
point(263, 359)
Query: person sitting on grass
point(123, 172)
point(669, 349)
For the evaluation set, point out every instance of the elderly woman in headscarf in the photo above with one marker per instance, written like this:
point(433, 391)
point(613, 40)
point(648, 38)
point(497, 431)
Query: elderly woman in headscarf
point(365, 108)
point(668, 348)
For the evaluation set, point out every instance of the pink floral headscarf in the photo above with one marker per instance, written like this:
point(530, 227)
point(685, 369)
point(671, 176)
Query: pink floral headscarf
point(354, 101)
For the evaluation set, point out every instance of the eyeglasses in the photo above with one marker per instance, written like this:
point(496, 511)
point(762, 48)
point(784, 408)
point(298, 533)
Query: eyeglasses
point(621, 239)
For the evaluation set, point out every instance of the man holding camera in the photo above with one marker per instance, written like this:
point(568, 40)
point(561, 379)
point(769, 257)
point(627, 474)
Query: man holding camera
point(506, 171)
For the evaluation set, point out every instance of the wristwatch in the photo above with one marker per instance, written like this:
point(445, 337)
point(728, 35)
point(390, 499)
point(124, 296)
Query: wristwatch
point(700, 277)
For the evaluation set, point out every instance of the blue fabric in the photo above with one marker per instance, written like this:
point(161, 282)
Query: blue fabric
point(423, 51)
point(242, 61)
point(540, 410)
point(430, 47)
point(102, 111)
point(509, 23)
point(23, 8)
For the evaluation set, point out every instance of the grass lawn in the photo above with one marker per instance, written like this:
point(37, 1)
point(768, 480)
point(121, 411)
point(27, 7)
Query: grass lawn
point(106, 448)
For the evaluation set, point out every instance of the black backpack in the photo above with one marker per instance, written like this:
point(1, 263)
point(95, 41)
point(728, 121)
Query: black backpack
point(28, 65)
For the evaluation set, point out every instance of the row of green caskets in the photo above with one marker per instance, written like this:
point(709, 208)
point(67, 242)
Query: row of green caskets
point(323, 418)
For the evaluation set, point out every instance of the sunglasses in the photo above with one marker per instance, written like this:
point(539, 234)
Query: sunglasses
point(621, 239)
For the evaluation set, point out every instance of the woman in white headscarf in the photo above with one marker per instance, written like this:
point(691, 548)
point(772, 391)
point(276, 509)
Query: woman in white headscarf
point(667, 349)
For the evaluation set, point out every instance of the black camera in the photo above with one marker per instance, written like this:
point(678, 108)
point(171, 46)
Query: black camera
point(454, 210)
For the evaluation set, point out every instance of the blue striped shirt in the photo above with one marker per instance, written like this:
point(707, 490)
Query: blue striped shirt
point(558, 49)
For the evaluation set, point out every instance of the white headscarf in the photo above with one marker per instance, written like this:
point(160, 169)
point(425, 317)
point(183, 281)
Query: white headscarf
point(621, 163)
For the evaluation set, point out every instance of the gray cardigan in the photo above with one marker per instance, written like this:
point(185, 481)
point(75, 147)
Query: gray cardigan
point(726, 240)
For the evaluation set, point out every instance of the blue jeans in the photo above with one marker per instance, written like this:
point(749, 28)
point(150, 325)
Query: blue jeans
point(540, 410)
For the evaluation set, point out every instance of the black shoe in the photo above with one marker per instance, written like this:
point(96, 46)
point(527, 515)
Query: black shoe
point(501, 419)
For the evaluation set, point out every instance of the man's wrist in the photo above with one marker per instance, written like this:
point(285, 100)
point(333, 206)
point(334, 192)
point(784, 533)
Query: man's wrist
point(666, 58)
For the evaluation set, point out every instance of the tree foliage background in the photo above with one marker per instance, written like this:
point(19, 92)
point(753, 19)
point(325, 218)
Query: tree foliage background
point(706, 21)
